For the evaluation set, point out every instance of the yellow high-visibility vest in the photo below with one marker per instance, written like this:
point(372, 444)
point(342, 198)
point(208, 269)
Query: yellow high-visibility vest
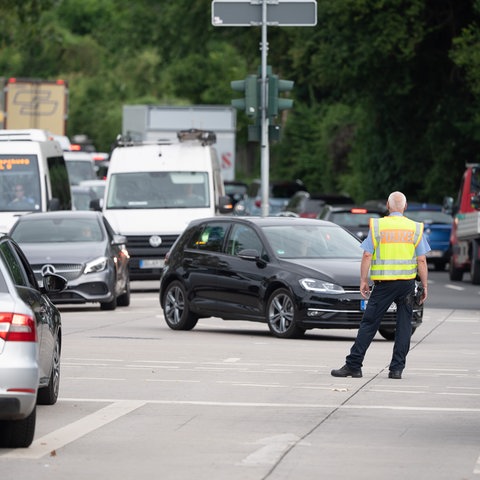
point(394, 239)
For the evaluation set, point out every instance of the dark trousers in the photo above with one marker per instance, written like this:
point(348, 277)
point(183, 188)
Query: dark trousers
point(383, 294)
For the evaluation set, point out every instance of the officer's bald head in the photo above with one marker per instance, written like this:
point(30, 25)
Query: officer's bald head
point(397, 202)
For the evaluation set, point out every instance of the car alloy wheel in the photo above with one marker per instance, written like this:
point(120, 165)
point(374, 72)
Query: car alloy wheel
point(175, 308)
point(48, 395)
point(281, 315)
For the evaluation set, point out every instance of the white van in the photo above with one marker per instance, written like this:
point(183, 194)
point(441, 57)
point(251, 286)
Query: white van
point(154, 190)
point(80, 166)
point(33, 175)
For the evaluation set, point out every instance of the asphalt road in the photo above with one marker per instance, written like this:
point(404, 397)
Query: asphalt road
point(228, 401)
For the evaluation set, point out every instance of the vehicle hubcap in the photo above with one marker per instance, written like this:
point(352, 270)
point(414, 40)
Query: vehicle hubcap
point(281, 313)
point(174, 305)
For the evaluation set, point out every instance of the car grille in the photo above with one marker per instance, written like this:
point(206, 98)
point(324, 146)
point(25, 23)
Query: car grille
point(139, 248)
point(70, 271)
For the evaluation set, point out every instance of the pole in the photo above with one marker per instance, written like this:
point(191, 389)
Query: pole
point(265, 159)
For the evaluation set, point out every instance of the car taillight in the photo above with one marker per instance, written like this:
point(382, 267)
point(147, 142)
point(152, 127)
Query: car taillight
point(359, 210)
point(15, 327)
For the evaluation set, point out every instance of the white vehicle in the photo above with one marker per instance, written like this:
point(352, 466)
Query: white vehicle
point(154, 190)
point(80, 166)
point(33, 175)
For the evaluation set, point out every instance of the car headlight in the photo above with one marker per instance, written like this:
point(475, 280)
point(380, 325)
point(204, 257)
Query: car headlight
point(97, 265)
point(313, 285)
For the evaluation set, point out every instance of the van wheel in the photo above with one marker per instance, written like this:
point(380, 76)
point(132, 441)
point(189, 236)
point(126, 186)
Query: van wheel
point(475, 264)
point(175, 308)
point(455, 274)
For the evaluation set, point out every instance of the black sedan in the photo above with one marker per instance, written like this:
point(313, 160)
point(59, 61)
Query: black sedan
point(294, 274)
point(82, 247)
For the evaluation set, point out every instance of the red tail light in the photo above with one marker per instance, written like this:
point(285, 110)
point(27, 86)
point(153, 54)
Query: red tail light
point(17, 328)
point(359, 210)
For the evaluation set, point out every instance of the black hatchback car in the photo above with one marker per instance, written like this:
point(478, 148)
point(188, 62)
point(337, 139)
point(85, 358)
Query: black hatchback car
point(294, 274)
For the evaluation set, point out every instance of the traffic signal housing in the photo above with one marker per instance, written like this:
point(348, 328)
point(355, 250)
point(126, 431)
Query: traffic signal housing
point(276, 103)
point(250, 103)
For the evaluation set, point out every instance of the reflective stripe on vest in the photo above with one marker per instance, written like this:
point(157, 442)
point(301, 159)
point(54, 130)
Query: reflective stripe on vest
point(394, 239)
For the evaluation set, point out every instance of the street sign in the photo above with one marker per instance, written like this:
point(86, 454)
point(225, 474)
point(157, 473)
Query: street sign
point(248, 13)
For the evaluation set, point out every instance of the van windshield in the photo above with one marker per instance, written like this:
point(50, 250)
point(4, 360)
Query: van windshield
point(137, 190)
point(19, 183)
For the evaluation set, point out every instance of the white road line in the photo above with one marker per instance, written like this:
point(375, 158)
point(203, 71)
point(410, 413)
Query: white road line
point(454, 287)
point(272, 449)
point(75, 430)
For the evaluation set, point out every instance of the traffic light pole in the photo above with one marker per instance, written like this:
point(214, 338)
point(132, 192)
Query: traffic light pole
point(265, 148)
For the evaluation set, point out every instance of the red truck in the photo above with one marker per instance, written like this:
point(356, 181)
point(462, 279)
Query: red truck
point(465, 236)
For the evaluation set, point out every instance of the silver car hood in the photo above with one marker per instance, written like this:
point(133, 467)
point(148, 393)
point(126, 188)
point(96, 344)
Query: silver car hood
point(78, 252)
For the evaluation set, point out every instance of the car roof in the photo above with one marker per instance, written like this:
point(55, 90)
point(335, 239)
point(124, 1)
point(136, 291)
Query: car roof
point(359, 208)
point(423, 206)
point(266, 221)
point(60, 214)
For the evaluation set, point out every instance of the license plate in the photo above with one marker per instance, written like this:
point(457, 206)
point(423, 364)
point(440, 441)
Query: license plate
point(435, 253)
point(151, 263)
point(391, 308)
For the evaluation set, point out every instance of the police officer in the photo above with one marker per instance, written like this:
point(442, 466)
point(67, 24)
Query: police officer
point(394, 253)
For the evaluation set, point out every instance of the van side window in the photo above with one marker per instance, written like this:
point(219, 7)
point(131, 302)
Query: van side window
point(59, 182)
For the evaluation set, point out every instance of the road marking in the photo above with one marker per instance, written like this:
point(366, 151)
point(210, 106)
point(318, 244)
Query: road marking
point(272, 450)
point(454, 287)
point(61, 437)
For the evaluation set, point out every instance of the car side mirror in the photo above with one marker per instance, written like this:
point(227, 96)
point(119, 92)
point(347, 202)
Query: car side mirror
point(225, 204)
point(448, 205)
point(53, 204)
point(96, 204)
point(119, 240)
point(476, 202)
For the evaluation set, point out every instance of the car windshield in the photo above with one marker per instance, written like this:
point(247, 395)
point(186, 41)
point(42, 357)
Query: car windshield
point(429, 216)
point(79, 170)
point(57, 230)
point(305, 241)
point(144, 190)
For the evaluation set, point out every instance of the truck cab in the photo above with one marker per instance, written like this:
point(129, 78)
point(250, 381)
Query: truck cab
point(465, 236)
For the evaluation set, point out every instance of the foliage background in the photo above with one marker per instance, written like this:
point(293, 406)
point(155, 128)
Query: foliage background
point(387, 92)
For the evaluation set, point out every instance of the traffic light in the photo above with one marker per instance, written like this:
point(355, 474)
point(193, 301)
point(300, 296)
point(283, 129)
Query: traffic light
point(250, 104)
point(276, 103)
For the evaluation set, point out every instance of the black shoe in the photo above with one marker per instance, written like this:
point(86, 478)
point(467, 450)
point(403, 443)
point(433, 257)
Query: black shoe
point(346, 371)
point(397, 374)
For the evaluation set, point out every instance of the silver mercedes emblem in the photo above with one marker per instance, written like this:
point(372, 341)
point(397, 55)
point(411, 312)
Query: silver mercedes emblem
point(155, 241)
point(48, 269)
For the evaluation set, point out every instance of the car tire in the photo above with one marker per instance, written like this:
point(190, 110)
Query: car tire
point(281, 315)
point(439, 266)
point(390, 334)
point(112, 305)
point(475, 264)
point(175, 308)
point(49, 395)
point(455, 274)
point(18, 433)
point(124, 299)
